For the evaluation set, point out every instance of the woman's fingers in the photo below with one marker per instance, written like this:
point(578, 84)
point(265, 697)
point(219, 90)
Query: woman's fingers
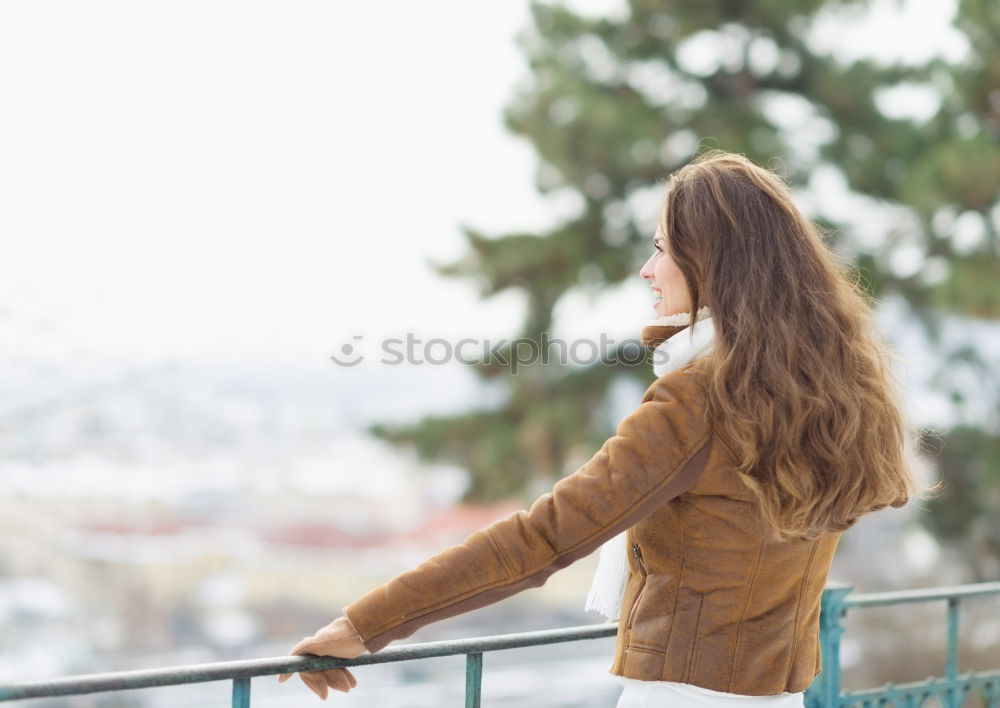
point(316, 682)
point(340, 679)
point(298, 648)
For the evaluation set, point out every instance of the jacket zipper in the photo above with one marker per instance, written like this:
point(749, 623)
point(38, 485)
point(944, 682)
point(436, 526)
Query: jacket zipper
point(642, 588)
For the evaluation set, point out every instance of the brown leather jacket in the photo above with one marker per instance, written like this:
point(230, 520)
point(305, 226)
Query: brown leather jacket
point(708, 601)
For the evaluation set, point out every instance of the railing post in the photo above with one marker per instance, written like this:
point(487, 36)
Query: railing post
point(473, 679)
point(951, 662)
point(831, 610)
point(241, 693)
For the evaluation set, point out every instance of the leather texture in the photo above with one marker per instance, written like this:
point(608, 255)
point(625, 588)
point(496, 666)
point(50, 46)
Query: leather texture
point(710, 602)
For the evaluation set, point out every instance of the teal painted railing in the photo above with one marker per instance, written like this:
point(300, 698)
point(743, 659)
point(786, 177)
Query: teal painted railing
point(825, 691)
point(950, 690)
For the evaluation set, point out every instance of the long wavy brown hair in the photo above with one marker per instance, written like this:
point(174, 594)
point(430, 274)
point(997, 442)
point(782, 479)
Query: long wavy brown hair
point(798, 381)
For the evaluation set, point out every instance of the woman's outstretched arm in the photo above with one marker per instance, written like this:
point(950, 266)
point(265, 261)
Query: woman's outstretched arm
point(655, 455)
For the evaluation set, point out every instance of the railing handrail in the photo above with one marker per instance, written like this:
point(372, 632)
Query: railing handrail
point(895, 597)
point(249, 668)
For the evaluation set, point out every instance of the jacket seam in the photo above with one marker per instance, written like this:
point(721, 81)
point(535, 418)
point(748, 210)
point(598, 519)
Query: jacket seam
point(798, 610)
point(500, 552)
point(743, 612)
point(645, 647)
point(693, 656)
point(677, 594)
point(699, 448)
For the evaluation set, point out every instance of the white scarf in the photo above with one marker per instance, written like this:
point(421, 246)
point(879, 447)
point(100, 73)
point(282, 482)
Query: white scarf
point(608, 588)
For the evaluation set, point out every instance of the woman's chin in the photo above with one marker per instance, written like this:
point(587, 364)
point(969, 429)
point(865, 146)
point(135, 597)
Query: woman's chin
point(662, 311)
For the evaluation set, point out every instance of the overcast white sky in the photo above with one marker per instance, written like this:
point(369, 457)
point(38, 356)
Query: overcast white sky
point(193, 179)
point(198, 177)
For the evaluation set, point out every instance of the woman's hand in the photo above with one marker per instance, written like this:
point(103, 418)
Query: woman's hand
point(340, 639)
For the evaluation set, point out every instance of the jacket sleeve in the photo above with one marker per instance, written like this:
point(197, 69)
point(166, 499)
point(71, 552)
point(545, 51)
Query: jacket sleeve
point(655, 455)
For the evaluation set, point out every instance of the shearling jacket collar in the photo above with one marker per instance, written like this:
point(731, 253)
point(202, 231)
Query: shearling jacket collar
point(657, 331)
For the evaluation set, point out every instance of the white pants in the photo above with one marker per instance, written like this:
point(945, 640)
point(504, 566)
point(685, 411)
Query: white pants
point(658, 694)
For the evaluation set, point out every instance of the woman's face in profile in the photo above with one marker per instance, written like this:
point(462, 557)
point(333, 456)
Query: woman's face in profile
point(666, 280)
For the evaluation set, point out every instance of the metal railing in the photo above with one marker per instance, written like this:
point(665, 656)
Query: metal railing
point(950, 690)
point(240, 672)
point(825, 692)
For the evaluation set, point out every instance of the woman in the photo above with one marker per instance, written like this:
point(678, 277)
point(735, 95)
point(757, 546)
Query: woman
point(772, 427)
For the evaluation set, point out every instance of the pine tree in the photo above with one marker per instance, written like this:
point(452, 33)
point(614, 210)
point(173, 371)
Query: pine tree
point(615, 104)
